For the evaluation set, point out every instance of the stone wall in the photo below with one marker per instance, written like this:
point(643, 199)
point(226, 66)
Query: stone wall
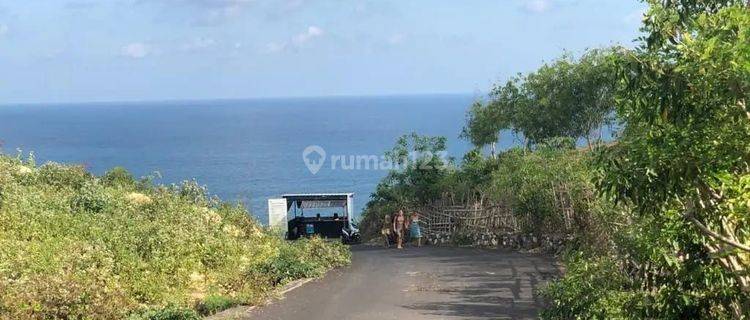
point(547, 244)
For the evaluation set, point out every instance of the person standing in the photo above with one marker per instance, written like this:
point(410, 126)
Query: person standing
point(414, 229)
point(399, 227)
point(386, 230)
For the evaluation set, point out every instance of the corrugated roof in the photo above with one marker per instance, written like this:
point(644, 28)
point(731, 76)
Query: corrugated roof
point(317, 194)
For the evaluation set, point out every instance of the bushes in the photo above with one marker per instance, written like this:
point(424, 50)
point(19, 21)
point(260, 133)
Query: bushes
point(664, 232)
point(538, 184)
point(535, 185)
point(650, 273)
point(679, 171)
point(89, 199)
point(76, 246)
point(118, 177)
point(592, 289)
point(85, 287)
point(420, 169)
point(62, 176)
point(303, 259)
point(170, 312)
point(214, 304)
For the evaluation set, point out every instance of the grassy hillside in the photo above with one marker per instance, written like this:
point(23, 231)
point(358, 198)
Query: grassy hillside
point(73, 245)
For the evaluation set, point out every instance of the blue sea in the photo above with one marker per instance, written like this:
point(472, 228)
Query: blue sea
point(242, 150)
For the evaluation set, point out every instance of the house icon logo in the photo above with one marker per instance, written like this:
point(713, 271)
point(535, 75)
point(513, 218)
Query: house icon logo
point(314, 156)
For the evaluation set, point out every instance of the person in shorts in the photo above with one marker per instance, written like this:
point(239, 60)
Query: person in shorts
point(399, 228)
point(414, 230)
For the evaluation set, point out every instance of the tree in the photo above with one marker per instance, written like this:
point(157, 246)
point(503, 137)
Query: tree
point(484, 122)
point(566, 98)
point(420, 165)
point(685, 148)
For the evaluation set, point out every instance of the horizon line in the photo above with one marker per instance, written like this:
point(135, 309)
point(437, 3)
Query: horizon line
point(178, 100)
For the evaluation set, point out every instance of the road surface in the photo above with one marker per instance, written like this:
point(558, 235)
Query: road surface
point(421, 283)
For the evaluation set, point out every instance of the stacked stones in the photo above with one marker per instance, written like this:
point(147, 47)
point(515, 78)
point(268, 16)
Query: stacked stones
point(505, 240)
point(438, 238)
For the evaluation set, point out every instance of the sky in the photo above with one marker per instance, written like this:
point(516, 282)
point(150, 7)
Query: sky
point(133, 50)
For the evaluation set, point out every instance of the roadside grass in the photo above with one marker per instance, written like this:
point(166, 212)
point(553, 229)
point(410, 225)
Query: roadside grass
point(74, 245)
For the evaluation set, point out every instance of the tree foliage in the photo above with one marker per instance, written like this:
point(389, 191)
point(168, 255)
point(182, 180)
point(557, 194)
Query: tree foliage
point(420, 167)
point(672, 193)
point(679, 172)
point(566, 98)
point(686, 144)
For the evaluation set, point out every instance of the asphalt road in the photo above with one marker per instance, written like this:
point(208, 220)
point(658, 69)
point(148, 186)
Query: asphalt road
point(421, 283)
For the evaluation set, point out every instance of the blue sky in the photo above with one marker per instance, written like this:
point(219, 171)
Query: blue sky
point(111, 50)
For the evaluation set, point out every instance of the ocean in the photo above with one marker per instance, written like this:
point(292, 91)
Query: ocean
point(242, 150)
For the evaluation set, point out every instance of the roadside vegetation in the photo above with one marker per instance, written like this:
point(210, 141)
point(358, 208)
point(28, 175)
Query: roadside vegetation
point(662, 208)
point(77, 246)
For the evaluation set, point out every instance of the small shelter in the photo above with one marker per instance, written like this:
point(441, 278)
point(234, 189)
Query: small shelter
point(336, 224)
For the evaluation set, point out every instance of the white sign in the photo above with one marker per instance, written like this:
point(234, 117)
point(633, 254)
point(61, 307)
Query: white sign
point(277, 213)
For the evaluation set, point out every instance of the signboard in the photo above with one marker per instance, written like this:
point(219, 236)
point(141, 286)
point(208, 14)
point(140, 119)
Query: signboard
point(277, 213)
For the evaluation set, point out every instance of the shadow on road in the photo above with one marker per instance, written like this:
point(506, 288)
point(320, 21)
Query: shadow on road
point(481, 284)
point(421, 283)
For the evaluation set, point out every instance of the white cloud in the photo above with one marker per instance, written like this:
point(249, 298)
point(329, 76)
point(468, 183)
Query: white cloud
point(537, 6)
point(136, 50)
point(311, 33)
point(198, 44)
point(296, 41)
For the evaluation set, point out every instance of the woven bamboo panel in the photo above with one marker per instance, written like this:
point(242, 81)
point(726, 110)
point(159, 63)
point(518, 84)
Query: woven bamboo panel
point(477, 215)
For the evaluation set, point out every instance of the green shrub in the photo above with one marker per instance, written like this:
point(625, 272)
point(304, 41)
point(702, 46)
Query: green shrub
point(74, 246)
point(79, 291)
point(192, 192)
point(118, 177)
point(60, 176)
point(302, 259)
point(91, 198)
point(213, 304)
point(590, 290)
point(558, 143)
point(650, 274)
point(167, 313)
point(528, 182)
